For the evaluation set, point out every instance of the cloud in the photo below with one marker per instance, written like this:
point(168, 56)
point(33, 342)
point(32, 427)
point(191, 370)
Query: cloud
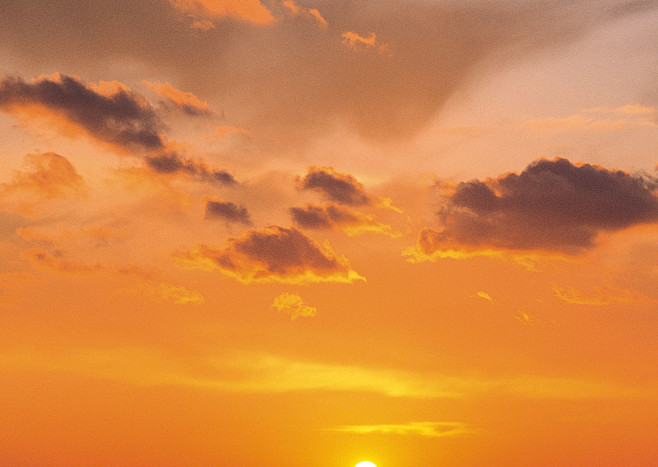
point(424, 429)
point(54, 235)
point(354, 41)
point(293, 305)
point(172, 162)
point(440, 48)
point(57, 261)
point(47, 174)
point(120, 117)
point(334, 216)
point(296, 10)
point(553, 206)
point(484, 296)
point(600, 296)
point(228, 211)
point(273, 254)
point(263, 373)
point(323, 217)
point(176, 294)
point(109, 112)
point(337, 187)
point(186, 101)
point(251, 11)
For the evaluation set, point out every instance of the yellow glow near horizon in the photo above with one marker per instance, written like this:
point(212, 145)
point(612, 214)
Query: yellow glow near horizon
point(365, 464)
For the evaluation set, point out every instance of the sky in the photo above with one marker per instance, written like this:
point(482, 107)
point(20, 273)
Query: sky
point(315, 233)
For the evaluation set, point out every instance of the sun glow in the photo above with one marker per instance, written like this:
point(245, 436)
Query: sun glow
point(365, 464)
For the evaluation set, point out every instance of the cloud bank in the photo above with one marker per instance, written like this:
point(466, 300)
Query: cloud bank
point(553, 205)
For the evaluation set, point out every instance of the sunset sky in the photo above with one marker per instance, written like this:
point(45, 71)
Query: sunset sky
point(294, 233)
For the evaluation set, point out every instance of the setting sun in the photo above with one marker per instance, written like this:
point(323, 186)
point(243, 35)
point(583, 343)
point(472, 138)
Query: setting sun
point(365, 464)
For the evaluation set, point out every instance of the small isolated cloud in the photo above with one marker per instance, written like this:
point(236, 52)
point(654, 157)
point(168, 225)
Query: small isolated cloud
point(599, 296)
point(334, 186)
point(205, 11)
point(293, 305)
point(48, 175)
point(176, 294)
point(354, 41)
point(186, 101)
point(525, 318)
point(485, 296)
point(425, 429)
point(230, 212)
point(552, 206)
point(273, 254)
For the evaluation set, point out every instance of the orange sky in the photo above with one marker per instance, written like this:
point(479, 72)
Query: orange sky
point(293, 233)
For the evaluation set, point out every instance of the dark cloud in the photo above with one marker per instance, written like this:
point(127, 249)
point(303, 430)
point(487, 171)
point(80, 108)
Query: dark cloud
point(337, 187)
point(274, 254)
point(123, 118)
point(323, 217)
point(171, 162)
point(114, 115)
point(552, 205)
point(227, 211)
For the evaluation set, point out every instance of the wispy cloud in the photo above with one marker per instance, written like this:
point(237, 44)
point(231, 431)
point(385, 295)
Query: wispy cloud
point(424, 429)
point(268, 373)
point(599, 296)
point(186, 101)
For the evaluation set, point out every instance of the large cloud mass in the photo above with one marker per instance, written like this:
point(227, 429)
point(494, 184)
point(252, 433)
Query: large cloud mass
point(303, 75)
point(551, 205)
point(109, 112)
point(273, 254)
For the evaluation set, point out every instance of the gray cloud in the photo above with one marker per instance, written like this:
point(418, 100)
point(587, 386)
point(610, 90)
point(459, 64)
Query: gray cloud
point(323, 217)
point(123, 118)
point(552, 205)
point(227, 211)
point(337, 187)
point(171, 162)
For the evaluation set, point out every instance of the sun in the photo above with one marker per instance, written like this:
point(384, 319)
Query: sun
point(365, 464)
